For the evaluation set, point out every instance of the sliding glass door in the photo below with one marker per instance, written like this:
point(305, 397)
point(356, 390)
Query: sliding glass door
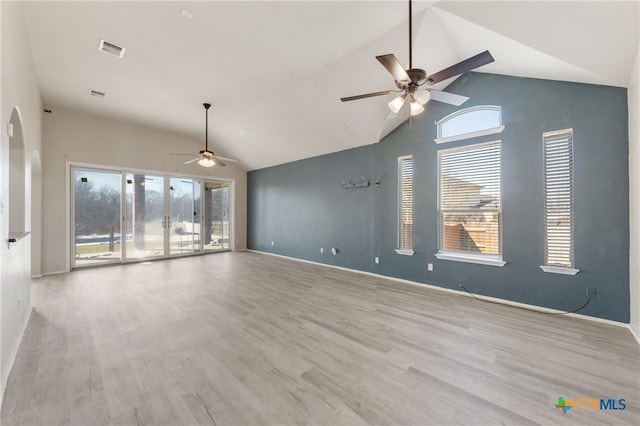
point(184, 217)
point(145, 218)
point(161, 216)
point(96, 217)
point(216, 216)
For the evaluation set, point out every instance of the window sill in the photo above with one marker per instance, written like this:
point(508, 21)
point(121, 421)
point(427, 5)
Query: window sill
point(470, 135)
point(405, 252)
point(559, 270)
point(480, 260)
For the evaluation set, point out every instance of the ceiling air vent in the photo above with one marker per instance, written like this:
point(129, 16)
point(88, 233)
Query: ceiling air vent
point(97, 94)
point(110, 48)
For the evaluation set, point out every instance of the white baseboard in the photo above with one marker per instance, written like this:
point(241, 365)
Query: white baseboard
point(459, 292)
point(12, 357)
point(36, 276)
point(46, 274)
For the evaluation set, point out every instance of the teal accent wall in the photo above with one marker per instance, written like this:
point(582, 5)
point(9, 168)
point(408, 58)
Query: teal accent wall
point(301, 206)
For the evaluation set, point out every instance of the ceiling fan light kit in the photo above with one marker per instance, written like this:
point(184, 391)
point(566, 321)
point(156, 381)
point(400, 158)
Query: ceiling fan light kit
point(206, 162)
point(397, 103)
point(422, 97)
point(411, 81)
point(205, 157)
point(416, 108)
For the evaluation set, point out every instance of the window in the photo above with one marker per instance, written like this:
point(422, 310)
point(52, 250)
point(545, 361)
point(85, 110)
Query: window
point(470, 122)
point(469, 204)
point(405, 205)
point(558, 202)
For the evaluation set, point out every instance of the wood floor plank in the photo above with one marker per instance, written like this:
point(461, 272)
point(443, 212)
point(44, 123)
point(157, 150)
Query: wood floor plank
point(250, 339)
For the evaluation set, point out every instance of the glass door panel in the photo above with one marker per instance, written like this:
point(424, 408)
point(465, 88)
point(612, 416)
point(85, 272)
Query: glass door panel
point(145, 216)
point(184, 222)
point(216, 216)
point(122, 216)
point(97, 236)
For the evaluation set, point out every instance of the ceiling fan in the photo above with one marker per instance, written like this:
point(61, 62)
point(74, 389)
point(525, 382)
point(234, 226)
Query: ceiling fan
point(205, 157)
point(413, 83)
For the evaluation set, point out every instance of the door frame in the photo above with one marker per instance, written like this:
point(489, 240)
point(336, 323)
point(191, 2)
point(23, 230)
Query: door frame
point(70, 203)
point(169, 228)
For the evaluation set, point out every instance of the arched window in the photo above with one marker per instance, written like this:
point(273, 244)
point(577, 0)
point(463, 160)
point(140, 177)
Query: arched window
point(470, 122)
point(469, 187)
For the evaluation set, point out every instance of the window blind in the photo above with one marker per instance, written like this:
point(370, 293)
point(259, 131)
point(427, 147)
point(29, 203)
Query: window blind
point(469, 199)
point(558, 197)
point(405, 202)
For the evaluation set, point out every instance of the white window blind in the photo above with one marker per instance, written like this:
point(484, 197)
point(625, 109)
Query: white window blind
point(469, 199)
point(558, 198)
point(405, 202)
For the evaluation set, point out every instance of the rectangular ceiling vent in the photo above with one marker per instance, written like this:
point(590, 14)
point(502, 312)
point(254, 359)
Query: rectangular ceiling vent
point(110, 48)
point(97, 94)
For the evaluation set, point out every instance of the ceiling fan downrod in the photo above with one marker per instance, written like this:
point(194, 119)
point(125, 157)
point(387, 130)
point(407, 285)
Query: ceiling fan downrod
point(206, 125)
point(410, 37)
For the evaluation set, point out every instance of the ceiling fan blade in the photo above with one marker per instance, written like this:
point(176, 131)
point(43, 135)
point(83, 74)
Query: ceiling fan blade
point(390, 62)
point(447, 98)
point(367, 95)
point(229, 160)
point(219, 162)
point(468, 64)
point(192, 160)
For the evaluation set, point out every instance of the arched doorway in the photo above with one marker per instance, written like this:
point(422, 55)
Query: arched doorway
point(17, 187)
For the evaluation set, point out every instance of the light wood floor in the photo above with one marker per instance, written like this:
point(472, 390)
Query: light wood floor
point(248, 339)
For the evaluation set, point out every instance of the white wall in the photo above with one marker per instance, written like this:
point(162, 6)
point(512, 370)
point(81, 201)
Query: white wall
point(634, 194)
point(70, 135)
point(19, 90)
point(36, 214)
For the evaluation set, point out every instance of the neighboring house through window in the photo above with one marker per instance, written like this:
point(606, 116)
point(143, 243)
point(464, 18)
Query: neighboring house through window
point(469, 188)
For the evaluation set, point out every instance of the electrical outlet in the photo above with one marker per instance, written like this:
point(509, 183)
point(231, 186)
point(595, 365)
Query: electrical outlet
point(430, 267)
point(272, 243)
point(334, 251)
point(376, 259)
point(321, 250)
point(591, 291)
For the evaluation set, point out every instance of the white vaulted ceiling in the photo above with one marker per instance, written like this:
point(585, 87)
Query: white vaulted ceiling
point(274, 71)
